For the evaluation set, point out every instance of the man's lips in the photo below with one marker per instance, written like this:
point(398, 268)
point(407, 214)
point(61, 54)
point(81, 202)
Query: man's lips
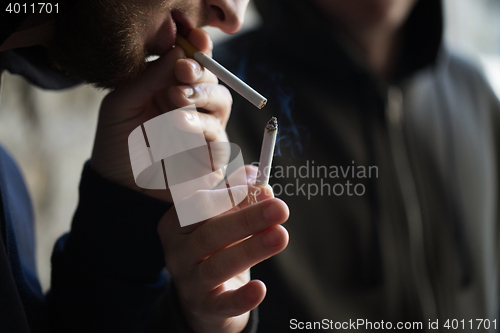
point(164, 38)
point(184, 26)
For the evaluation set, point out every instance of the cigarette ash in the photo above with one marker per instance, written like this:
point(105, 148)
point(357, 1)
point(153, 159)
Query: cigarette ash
point(272, 125)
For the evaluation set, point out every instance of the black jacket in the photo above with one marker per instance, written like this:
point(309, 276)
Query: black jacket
point(418, 240)
point(106, 274)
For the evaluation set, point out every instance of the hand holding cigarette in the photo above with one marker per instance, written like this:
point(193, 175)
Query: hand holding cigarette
point(210, 261)
point(168, 83)
point(223, 74)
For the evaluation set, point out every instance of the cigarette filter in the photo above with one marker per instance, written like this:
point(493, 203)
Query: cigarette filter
point(223, 74)
point(267, 152)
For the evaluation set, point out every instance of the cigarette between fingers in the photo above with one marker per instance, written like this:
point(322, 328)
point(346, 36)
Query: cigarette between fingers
point(267, 152)
point(222, 73)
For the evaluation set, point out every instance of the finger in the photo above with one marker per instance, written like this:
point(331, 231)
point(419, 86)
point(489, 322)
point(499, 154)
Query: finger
point(213, 128)
point(233, 303)
point(213, 98)
point(201, 40)
point(169, 223)
point(189, 71)
point(223, 265)
point(173, 235)
point(224, 230)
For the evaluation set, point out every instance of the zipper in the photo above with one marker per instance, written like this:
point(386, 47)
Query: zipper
point(421, 277)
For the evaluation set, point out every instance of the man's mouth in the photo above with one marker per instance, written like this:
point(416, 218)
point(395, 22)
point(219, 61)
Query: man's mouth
point(164, 37)
point(183, 26)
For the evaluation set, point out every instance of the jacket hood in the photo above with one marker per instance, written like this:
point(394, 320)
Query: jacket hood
point(423, 30)
point(32, 62)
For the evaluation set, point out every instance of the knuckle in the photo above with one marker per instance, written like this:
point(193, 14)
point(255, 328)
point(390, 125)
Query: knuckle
point(206, 239)
point(228, 96)
point(202, 93)
point(220, 131)
point(209, 92)
point(248, 249)
point(247, 220)
point(210, 270)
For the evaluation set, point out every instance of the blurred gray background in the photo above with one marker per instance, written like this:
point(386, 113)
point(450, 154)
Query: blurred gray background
point(51, 134)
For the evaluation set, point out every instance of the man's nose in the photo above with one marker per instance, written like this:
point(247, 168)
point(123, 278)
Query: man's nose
point(227, 15)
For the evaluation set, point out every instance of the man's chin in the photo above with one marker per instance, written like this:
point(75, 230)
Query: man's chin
point(101, 72)
point(91, 44)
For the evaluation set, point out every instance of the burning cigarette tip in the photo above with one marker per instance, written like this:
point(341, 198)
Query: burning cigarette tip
point(263, 103)
point(272, 125)
point(267, 152)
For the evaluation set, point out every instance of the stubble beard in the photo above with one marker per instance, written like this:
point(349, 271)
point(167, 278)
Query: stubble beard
point(99, 41)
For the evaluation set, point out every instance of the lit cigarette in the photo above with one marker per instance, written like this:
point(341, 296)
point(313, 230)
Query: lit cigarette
point(223, 74)
point(267, 152)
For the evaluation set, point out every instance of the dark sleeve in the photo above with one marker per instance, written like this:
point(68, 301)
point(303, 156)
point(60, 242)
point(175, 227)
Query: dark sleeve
point(108, 272)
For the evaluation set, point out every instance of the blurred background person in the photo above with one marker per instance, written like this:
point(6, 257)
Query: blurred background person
point(387, 156)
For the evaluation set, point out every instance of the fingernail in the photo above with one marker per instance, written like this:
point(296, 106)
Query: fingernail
point(188, 92)
point(273, 237)
point(272, 212)
point(196, 67)
point(189, 115)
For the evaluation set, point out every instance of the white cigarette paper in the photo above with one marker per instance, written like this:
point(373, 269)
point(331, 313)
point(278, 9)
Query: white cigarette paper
point(231, 80)
point(267, 152)
point(223, 74)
